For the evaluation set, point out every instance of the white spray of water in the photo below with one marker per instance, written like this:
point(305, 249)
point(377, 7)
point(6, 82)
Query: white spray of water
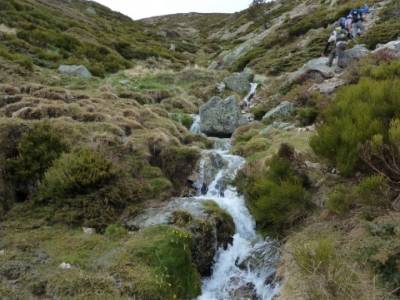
point(249, 98)
point(195, 128)
point(247, 264)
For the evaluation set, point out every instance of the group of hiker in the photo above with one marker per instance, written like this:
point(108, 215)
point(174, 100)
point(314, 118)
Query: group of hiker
point(347, 28)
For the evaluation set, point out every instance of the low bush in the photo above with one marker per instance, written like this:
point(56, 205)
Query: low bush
point(359, 113)
point(177, 163)
point(182, 118)
point(340, 201)
point(325, 269)
point(373, 191)
point(79, 172)
point(277, 197)
point(36, 151)
point(115, 231)
point(307, 115)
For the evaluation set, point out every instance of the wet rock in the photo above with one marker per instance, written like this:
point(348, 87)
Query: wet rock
point(246, 119)
point(244, 292)
point(239, 82)
point(204, 246)
point(12, 270)
point(75, 70)
point(282, 110)
point(220, 117)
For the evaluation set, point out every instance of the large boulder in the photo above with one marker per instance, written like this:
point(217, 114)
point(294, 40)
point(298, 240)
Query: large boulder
point(219, 117)
point(317, 65)
point(357, 52)
point(282, 110)
point(393, 46)
point(351, 55)
point(75, 70)
point(239, 82)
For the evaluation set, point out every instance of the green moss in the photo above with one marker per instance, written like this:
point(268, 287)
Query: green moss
point(165, 252)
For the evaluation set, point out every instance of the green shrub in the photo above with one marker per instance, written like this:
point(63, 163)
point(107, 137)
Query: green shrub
point(277, 198)
point(307, 115)
point(37, 150)
point(182, 118)
point(360, 112)
point(340, 200)
point(115, 231)
point(79, 172)
point(165, 252)
point(177, 163)
point(373, 191)
point(315, 256)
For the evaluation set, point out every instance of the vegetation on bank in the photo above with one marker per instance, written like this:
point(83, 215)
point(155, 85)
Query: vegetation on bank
point(77, 33)
point(277, 195)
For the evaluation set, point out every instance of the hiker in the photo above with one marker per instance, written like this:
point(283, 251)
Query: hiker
point(357, 22)
point(337, 41)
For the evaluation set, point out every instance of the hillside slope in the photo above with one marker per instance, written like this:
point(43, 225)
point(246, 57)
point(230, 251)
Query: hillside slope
point(82, 159)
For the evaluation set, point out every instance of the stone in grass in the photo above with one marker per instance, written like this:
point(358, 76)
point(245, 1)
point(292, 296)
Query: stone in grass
point(88, 230)
point(75, 70)
point(65, 266)
point(282, 110)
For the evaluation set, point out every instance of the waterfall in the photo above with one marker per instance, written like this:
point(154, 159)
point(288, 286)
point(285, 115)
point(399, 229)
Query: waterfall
point(248, 99)
point(244, 269)
point(195, 128)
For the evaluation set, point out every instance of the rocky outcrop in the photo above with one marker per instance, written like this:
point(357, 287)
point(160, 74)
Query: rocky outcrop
point(318, 65)
point(220, 117)
point(239, 82)
point(282, 110)
point(328, 86)
point(393, 46)
point(357, 52)
point(75, 70)
point(352, 55)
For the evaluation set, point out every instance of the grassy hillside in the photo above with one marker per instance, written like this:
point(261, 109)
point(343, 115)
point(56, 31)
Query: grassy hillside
point(49, 33)
point(78, 153)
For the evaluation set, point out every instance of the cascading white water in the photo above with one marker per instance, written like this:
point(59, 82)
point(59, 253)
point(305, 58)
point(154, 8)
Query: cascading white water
point(244, 269)
point(249, 97)
point(195, 128)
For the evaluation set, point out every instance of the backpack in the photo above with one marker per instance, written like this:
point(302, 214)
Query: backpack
point(364, 10)
point(341, 35)
point(355, 15)
point(342, 22)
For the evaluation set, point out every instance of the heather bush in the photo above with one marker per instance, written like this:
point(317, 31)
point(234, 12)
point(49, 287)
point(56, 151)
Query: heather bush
point(277, 197)
point(359, 113)
point(37, 149)
point(340, 201)
point(78, 172)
